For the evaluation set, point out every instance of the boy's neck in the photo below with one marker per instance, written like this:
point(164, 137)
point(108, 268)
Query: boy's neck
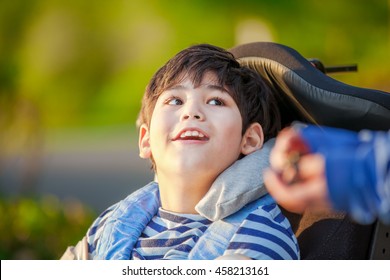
point(182, 195)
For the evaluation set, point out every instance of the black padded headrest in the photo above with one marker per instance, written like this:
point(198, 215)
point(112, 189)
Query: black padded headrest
point(305, 93)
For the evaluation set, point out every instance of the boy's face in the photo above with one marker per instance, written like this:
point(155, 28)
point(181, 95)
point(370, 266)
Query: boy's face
point(193, 130)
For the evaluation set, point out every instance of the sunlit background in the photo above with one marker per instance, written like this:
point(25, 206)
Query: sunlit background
point(72, 74)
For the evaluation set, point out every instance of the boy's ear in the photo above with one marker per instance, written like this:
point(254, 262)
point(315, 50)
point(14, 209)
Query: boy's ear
point(253, 139)
point(144, 142)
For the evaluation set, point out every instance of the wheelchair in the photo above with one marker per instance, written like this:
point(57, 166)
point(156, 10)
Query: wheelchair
point(306, 93)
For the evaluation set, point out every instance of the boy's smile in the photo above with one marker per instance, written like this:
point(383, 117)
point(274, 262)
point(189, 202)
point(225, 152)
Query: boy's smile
point(191, 134)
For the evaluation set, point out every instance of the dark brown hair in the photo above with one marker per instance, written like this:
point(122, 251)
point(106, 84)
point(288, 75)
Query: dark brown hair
point(251, 93)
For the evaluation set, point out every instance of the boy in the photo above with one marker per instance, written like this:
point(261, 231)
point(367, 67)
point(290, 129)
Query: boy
point(202, 115)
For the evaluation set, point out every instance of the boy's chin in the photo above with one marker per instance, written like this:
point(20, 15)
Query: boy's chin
point(198, 168)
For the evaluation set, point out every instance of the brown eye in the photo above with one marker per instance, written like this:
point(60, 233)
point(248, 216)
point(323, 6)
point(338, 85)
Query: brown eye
point(174, 101)
point(216, 102)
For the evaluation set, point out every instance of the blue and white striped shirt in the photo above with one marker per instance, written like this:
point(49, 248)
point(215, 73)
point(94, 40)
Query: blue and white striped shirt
point(170, 236)
point(264, 234)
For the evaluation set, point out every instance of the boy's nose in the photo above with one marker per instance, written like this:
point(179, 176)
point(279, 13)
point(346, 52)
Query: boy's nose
point(192, 112)
point(195, 116)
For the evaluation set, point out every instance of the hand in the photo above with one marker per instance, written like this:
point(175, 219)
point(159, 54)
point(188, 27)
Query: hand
point(288, 142)
point(299, 186)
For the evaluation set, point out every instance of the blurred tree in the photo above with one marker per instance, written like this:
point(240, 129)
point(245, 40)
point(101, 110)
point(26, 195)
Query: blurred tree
point(71, 63)
point(87, 63)
point(20, 123)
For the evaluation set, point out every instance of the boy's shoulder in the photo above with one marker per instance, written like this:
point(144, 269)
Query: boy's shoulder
point(258, 222)
point(96, 229)
point(139, 207)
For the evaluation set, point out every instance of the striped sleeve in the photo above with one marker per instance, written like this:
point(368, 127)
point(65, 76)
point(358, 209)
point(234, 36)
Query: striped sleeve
point(95, 230)
point(265, 234)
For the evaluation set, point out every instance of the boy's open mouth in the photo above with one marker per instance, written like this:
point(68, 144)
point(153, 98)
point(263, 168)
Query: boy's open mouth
point(191, 134)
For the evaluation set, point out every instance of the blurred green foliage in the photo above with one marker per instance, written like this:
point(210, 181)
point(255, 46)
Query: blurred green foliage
point(72, 63)
point(41, 228)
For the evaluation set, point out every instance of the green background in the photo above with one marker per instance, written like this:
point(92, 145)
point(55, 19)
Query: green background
point(72, 74)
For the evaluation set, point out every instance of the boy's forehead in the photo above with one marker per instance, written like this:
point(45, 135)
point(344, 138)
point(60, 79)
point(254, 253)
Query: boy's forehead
point(210, 77)
point(209, 80)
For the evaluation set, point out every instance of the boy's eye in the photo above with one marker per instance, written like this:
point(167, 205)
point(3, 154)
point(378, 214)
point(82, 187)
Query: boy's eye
point(216, 102)
point(174, 101)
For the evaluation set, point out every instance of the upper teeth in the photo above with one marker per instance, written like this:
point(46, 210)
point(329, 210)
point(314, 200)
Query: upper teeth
point(193, 133)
